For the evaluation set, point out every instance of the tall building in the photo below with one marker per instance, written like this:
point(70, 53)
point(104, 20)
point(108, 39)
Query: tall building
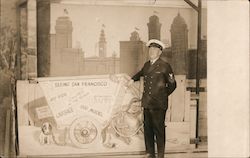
point(64, 31)
point(167, 55)
point(179, 45)
point(192, 61)
point(102, 45)
point(135, 36)
point(154, 28)
point(65, 60)
point(101, 64)
point(133, 54)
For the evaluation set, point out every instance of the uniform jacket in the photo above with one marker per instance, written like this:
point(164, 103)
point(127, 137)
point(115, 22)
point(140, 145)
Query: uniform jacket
point(159, 83)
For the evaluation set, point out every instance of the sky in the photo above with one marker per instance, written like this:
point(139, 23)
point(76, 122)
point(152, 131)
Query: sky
point(119, 22)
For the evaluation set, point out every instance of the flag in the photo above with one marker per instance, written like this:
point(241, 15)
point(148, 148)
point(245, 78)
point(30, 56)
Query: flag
point(155, 12)
point(65, 11)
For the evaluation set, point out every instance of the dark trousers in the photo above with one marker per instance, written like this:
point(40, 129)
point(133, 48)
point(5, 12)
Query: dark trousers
point(154, 127)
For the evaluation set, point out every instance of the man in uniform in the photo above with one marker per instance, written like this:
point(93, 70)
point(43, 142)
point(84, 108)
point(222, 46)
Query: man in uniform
point(159, 83)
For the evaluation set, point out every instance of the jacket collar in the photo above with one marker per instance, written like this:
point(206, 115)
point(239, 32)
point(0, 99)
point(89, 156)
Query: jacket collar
point(153, 61)
point(154, 66)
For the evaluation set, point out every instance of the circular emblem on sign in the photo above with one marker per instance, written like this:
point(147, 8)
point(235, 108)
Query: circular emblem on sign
point(83, 132)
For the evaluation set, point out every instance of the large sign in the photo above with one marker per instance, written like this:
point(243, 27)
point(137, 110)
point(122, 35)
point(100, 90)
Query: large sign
point(85, 115)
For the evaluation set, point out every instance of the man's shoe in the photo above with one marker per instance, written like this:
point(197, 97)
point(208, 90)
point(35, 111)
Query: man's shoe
point(160, 155)
point(149, 155)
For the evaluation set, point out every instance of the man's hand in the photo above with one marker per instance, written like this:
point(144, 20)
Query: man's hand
point(130, 82)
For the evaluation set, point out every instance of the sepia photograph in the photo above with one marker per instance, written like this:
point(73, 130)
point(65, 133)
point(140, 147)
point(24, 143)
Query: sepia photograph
point(95, 78)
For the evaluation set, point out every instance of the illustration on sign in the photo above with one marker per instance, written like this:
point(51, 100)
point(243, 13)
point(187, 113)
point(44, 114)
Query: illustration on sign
point(124, 124)
point(89, 114)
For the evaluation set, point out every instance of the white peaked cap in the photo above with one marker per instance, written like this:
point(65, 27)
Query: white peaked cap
point(156, 43)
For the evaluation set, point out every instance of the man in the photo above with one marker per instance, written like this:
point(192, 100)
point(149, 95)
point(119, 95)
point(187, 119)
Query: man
point(159, 83)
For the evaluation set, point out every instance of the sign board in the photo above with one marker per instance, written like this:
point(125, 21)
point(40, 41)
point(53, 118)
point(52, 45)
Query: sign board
point(87, 115)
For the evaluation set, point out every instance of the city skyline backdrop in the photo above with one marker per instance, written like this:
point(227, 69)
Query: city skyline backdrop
point(118, 23)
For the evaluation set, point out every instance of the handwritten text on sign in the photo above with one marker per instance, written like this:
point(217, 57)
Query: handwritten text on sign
point(72, 99)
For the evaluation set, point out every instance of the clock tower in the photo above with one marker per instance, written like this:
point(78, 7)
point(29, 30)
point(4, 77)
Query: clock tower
point(102, 45)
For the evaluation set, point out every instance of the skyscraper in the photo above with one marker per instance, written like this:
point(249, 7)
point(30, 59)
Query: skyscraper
point(65, 60)
point(154, 28)
point(179, 45)
point(132, 54)
point(64, 31)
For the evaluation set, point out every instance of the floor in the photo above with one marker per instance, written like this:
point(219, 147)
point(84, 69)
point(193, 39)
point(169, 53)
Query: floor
point(197, 153)
point(170, 155)
point(175, 155)
point(200, 152)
